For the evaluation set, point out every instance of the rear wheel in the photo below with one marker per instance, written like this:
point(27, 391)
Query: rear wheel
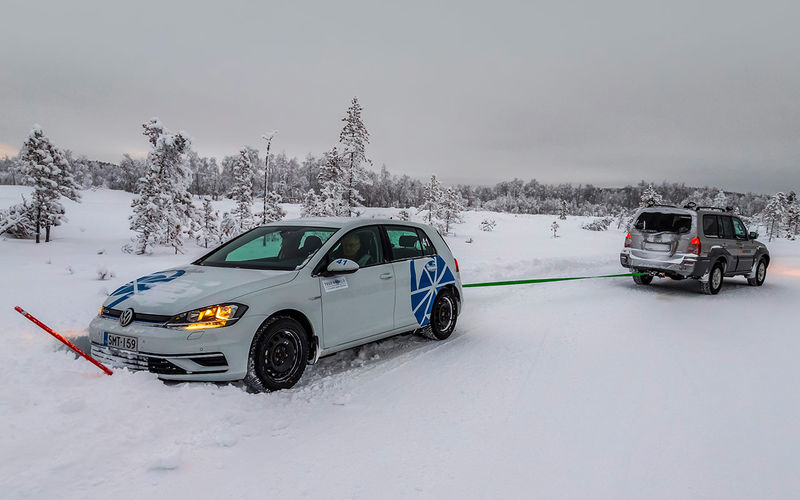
point(714, 283)
point(278, 355)
point(642, 279)
point(443, 316)
point(761, 274)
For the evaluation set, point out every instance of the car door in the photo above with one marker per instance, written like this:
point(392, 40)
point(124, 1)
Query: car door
point(729, 243)
point(415, 268)
point(361, 304)
point(747, 249)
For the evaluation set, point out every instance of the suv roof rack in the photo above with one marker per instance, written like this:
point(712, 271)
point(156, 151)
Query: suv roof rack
point(726, 209)
point(659, 205)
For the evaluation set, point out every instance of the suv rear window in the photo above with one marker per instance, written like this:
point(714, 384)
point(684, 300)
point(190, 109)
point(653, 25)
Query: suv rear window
point(658, 222)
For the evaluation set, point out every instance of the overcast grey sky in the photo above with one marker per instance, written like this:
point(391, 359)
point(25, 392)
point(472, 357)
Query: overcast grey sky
point(586, 92)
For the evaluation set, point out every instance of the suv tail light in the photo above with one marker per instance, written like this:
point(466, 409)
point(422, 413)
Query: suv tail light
point(456, 264)
point(694, 246)
point(628, 241)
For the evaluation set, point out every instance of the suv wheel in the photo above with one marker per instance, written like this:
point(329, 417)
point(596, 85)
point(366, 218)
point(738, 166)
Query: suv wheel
point(278, 355)
point(714, 283)
point(443, 316)
point(644, 279)
point(761, 274)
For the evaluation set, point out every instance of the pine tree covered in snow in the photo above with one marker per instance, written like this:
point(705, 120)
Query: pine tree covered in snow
point(650, 197)
point(18, 220)
point(208, 232)
point(792, 216)
point(774, 213)
point(332, 189)
point(720, 200)
point(451, 208)
point(562, 210)
point(228, 227)
point(354, 139)
point(432, 198)
point(273, 211)
point(242, 191)
point(163, 210)
point(46, 168)
point(312, 205)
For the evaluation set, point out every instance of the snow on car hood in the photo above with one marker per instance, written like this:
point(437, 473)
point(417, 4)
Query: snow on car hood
point(185, 288)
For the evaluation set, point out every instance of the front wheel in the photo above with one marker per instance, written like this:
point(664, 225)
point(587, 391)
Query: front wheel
point(714, 283)
point(761, 274)
point(278, 355)
point(443, 316)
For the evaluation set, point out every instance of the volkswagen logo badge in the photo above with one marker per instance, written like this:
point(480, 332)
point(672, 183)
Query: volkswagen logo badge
point(126, 318)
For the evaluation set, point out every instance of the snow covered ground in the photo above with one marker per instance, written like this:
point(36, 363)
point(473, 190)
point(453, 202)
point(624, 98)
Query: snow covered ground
point(587, 389)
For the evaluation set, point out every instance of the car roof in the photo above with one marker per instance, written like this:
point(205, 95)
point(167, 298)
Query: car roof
point(343, 222)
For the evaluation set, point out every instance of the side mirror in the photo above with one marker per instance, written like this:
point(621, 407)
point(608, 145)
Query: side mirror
point(342, 266)
point(753, 235)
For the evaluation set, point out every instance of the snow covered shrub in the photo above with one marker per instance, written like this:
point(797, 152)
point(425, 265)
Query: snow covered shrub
point(597, 224)
point(103, 273)
point(554, 227)
point(469, 240)
point(17, 221)
point(488, 224)
point(403, 215)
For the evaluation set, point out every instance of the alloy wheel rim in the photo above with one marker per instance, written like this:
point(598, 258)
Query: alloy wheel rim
point(762, 270)
point(716, 278)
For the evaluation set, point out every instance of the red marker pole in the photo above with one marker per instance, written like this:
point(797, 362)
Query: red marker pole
point(63, 340)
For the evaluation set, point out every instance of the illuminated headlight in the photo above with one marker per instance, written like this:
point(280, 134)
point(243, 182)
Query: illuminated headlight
point(208, 317)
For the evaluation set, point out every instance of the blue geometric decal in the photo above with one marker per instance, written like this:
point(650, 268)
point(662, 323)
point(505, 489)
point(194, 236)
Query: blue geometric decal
point(144, 283)
point(428, 276)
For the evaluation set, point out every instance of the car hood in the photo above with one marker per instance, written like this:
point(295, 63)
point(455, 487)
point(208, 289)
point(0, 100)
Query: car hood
point(182, 289)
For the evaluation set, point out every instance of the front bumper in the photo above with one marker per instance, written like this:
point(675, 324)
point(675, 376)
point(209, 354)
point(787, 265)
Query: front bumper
point(217, 354)
point(684, 265)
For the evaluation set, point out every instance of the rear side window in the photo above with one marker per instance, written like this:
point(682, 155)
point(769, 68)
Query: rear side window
point(726, 227)
point(404, 242)
point(710, 226)
point(427, 246)
point(658, 222)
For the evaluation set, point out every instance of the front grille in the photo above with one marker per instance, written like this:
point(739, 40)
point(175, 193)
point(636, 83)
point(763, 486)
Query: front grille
point(137, 317)
point(129, 360)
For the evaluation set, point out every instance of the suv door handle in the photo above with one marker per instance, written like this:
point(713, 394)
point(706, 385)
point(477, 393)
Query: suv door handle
point(386, 276)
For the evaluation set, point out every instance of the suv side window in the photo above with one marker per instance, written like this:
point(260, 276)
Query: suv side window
point(726, 226)
point(739, 229)
point(404, 242)
point(710, 226)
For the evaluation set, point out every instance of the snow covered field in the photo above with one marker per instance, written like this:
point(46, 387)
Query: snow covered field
point(587, 389)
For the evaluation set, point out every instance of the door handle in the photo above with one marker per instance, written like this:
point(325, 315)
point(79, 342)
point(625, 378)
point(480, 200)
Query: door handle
point(386, 276)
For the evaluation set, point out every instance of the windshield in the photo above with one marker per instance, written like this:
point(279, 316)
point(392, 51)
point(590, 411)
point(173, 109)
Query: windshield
point(282, 248)
point(657, 222)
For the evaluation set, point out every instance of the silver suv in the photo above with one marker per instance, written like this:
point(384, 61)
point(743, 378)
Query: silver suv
point(703, 243)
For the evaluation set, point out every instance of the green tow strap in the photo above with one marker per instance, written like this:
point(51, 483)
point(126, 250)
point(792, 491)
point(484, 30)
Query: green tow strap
point(546, 280)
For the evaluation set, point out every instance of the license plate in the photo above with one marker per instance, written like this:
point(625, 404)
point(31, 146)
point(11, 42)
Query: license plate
point(121, 342)
point(657, 247)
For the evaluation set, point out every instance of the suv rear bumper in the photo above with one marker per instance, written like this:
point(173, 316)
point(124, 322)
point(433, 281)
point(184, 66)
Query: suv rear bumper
point(683, 265)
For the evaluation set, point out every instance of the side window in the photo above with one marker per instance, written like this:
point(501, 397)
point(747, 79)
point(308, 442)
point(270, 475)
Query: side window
point(427, 246)
point(727, 227)
point(404, 242)
point(710, 226)
point(362, 245)
point(739, 229)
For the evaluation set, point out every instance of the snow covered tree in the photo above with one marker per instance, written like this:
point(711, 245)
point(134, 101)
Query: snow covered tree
point(273, 211)
point(312, 205)
point(330, 178)
point(163, 210)
point(488, 225)
point(242, 191)
point(209, 225)
point(432, 198)
point(228, 227)
point(450, 209)
point(46, 168)
point(792, 216)
point(562, 210)
point(650, 197)
point(403, 215)
point(774, 213)
point(18, 220)
point(720, 200)
point(354, 139)
point(554, 227)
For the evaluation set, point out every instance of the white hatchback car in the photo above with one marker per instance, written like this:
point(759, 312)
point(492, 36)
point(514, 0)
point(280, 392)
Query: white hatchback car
point(263, 305)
